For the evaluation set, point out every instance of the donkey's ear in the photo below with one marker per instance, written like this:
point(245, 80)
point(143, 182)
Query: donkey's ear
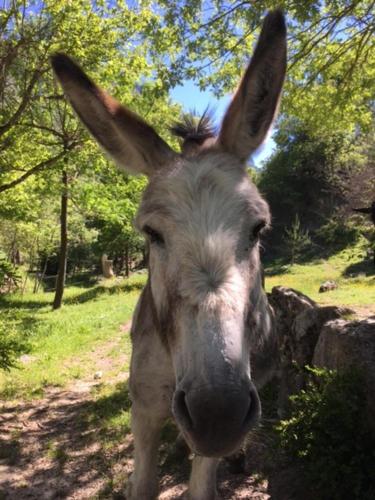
point(134, 145)
point(255, 103)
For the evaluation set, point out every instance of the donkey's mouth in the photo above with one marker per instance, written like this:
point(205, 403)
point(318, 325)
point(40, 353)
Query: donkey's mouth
point(215, 424)
point(215, 449)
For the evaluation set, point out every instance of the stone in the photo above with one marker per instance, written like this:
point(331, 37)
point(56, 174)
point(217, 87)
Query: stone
point(298, 322)
point(307, 327)
point(328, 286)
point(350, 344)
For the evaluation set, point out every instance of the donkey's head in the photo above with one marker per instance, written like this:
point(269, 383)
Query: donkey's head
point(202, 217)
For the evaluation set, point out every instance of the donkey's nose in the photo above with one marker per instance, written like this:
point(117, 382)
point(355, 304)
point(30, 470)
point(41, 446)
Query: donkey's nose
point(215, 420)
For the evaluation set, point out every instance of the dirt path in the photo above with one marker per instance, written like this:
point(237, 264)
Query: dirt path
point(49, 451)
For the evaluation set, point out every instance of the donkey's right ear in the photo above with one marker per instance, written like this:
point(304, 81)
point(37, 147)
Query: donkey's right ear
point(133, 144)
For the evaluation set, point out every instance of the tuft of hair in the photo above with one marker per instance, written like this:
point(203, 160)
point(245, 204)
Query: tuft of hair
point(195, 130)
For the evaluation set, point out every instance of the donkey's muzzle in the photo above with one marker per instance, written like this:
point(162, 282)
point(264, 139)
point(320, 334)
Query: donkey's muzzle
point(214, 420)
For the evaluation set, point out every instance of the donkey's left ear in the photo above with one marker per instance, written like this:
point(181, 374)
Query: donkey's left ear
point(132, 143)
point(255, 103)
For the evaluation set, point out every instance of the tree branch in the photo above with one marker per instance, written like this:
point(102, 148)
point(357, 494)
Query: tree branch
point(33, 170)
point(25, 100)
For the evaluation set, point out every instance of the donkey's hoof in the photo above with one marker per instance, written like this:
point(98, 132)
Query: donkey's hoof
point(129, 489)
point(188, 496)
point(134, 491)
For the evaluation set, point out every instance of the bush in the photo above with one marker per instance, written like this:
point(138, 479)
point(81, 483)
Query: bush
point(297, 240)
point(328, 435)
point(12, 345)
point(339, 233)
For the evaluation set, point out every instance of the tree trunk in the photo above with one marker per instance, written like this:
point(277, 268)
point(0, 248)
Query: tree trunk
point(107, 267)
point(127, 261)
point(42, 275)
point(61, 275)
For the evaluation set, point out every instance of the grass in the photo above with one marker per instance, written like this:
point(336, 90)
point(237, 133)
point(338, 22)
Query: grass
point(61, 342)
point(354, 276)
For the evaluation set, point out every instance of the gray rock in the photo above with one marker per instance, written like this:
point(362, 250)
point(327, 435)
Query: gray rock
point(327, 286)
point(307, 327)
point(298, 322)
point(350, 344)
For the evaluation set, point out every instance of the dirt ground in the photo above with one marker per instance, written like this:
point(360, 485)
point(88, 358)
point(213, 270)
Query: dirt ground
point(47, 451)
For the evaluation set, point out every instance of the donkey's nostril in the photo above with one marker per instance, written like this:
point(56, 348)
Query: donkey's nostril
point(254, 410)
point(181, 410)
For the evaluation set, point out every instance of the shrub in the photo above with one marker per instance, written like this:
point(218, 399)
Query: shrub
point(12, 345)
point(339, 233)
point(328, 435)
point(296, 239)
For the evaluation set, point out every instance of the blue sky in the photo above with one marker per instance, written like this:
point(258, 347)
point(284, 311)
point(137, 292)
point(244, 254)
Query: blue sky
point(192, 98)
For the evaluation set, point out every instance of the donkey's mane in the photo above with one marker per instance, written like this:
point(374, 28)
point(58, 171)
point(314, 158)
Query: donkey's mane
point(194, 129)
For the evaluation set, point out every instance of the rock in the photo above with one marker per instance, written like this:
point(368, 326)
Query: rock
point(312, 335)
point(327, 286)
point(350, 344)
point(307, 327)
point(298, 321)
point(287, 303)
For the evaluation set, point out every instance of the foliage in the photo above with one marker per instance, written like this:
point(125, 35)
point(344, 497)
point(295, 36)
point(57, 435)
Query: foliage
point(296, 239)
point(12, 344)
point(338, 232)
point(110, 202)
point(37, 127)
point(138, 52)
point(330, 79)
point(40, 135)
point(316, 177)
point(328, 434)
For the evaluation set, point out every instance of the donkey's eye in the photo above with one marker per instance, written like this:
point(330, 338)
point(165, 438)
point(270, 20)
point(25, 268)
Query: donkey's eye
point(154, 236)
point(258, 229)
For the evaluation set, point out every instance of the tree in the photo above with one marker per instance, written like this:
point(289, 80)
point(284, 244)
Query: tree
point(318, 178)
point(40, 138)
point(110, 202)
point(297, 240)
point(331, 76)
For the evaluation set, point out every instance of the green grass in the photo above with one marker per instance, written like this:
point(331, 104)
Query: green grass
point(355, 278)
point(61, 342)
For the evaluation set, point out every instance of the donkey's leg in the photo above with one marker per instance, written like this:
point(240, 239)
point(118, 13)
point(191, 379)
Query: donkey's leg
point(202, 484)
point(151, 387)
point(146, 426)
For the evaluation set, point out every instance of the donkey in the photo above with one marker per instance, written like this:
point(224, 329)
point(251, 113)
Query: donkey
point(201, 334)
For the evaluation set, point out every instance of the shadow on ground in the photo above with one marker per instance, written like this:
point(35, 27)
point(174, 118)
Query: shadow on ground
point(364, 267)
point(54, 446)
point(74, 444)
point(17, 302)
point(99, 290)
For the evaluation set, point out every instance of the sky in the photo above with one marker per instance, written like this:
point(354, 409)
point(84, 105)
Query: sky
point(193, 99)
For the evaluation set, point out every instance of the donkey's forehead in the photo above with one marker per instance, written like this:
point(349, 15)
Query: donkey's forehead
point(212, 185)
